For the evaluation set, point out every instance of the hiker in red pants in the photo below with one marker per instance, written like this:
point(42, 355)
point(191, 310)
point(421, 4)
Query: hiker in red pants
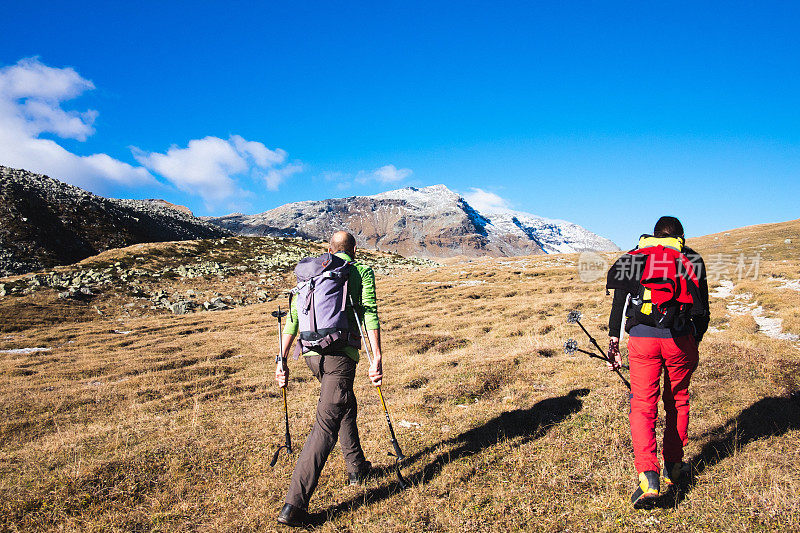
point(662, 290)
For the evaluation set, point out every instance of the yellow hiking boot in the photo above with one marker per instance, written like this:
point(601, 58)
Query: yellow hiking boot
point(646, 494)
point(675, 473)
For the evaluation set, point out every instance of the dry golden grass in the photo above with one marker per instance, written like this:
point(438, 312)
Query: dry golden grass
point(170, 427)
point(768, 240)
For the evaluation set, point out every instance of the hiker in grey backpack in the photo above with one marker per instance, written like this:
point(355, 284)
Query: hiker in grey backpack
point(329, 340)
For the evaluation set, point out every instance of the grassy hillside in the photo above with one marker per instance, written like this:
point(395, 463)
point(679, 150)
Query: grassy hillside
point(768, 240)
point(148, 421)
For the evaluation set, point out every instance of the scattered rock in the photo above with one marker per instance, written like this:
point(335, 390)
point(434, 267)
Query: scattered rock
point(216, 304)
point(183, 307)
point(262, 296)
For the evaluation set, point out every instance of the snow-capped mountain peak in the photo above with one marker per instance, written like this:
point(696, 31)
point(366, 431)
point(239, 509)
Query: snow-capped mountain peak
point(431, 221)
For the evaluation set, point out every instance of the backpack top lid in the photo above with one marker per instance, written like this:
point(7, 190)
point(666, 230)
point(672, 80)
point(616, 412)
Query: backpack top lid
point(676, 243)
point(312, 267)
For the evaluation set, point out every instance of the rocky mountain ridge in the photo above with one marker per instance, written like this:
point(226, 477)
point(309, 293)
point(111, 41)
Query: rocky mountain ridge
point(425, 222)
point(44, 222)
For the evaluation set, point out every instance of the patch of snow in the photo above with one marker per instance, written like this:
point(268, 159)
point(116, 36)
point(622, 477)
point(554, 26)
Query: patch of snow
point(406, 424)
point(790, 284)
point(118, 332)
point(725, 289)
point(467, 283)
point(741, 304)
point(24, 351)
point(554, 236)
point(435, 197)
point(523, 263)
point(772, 327)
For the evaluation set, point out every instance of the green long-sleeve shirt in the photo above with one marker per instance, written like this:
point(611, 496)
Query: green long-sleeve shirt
point(361, 287)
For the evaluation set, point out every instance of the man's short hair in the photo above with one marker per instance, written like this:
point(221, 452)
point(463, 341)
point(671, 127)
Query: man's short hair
point(342, 241)
point(668, 227)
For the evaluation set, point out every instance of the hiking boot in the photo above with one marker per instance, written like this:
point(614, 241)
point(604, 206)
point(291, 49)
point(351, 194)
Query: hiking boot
point(294, 516)
point(360, 477)
point(675, 473)
point(647, 493)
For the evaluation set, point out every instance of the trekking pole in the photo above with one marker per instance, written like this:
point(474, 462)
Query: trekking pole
point(279, 360)
point(571, 346)
point(398, 455)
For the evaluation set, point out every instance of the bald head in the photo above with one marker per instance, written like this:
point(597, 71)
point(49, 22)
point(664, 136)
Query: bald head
point(341, 241)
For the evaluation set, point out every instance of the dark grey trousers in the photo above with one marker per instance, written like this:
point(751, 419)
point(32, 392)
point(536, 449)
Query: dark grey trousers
point(336, 416)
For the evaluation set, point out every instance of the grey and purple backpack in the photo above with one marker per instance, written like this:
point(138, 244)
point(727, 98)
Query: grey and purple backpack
point(321, 292)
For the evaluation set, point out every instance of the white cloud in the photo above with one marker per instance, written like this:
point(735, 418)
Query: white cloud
point(204, 167)
point(275, 176)
point(385, 175)
point(31, 96)
point(30, 78)
point(486, 202)
point(31, 99)
point(391, 174)
point(263, 156)
point(341, 180)
point(211, 166)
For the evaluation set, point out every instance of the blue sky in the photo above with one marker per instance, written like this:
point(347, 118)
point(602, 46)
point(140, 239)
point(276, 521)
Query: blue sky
point(607, 114)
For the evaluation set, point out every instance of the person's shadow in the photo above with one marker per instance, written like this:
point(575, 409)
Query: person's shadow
point(524, 425)
point(767, 417)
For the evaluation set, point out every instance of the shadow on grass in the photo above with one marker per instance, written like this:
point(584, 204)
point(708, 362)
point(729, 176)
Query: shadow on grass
point(767, 417)
point(523, 425)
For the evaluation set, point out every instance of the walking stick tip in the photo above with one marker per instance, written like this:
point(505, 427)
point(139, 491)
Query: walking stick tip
point(275, 458)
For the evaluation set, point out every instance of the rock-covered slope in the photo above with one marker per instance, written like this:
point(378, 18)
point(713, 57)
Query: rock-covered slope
point(427, 222)
point(44, 222)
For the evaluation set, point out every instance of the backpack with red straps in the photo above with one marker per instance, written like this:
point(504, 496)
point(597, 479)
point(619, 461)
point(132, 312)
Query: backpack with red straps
point(662, 282)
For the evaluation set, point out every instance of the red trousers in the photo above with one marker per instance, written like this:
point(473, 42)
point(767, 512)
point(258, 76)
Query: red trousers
point(647, 356)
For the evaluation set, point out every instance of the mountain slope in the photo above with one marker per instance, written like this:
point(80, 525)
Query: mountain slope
point(140, 420)
point(44, 222)
point(428, 222)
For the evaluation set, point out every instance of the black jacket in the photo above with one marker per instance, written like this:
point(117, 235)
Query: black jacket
point(699, 322)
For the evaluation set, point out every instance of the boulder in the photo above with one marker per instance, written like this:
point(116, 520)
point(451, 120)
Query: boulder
point(183, 307)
